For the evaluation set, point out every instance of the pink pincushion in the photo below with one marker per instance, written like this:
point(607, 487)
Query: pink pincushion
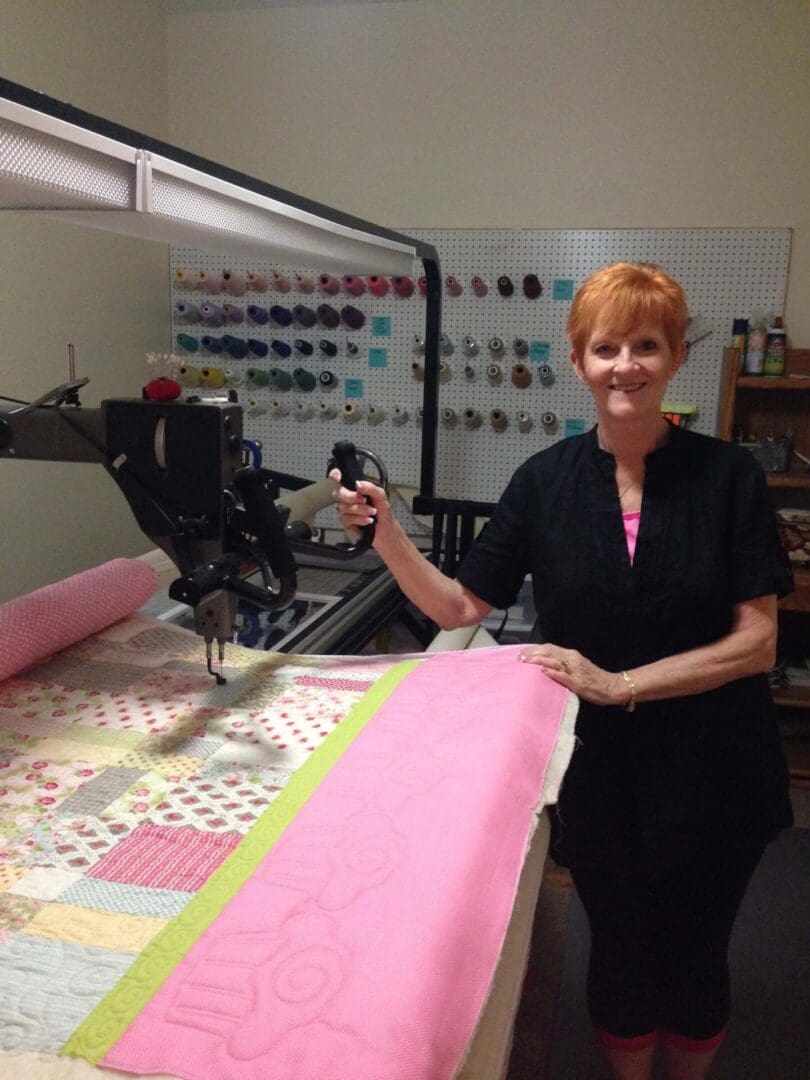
point(38, 625)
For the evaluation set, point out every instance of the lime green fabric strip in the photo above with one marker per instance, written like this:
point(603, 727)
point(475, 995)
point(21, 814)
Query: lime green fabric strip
point(113, 1015)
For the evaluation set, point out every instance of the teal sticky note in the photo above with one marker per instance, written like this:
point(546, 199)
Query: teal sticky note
point(574, 427)
point(381, 326)
point(353, 388)
point(378, 357)
point(563, 289)
point(540, 351)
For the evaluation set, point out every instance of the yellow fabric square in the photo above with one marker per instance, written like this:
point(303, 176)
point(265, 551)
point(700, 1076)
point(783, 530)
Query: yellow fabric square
point(66, 749)
point(163, 764)
point(10, 875)
point(103, 929)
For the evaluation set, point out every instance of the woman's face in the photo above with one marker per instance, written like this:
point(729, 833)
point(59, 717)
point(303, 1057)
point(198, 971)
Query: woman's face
point(627, 372)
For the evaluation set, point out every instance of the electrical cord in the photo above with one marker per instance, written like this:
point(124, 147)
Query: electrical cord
point(502, 627)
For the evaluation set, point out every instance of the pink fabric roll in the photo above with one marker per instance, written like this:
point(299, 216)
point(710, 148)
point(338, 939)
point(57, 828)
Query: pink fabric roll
point(36, 626)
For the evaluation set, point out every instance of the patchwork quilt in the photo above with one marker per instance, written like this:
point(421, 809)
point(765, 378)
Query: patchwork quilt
point(305, 873)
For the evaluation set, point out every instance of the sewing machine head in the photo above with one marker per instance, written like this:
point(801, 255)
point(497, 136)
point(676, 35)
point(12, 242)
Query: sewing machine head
point(183, 468)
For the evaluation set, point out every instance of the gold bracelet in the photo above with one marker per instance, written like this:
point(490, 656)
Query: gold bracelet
point(631, 702)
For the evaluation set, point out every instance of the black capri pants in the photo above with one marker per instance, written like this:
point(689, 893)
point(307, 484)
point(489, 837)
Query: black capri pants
point(659, 943)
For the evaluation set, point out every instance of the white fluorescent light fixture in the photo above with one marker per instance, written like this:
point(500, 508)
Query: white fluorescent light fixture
point(94, 173)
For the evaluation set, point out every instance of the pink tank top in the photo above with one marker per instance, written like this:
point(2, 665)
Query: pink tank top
point(631, 531)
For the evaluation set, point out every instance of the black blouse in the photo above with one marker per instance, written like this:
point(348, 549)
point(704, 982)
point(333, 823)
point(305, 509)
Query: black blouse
point(680, 770)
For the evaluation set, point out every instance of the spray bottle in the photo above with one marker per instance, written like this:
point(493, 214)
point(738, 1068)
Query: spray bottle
point(775, 349)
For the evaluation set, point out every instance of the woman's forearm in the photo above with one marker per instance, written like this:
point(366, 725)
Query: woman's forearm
point(441, 598)
point(748, 649)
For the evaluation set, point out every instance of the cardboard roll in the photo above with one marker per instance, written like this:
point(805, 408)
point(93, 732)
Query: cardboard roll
point(304, 380)
point(258, 348)
point(281, 316)
point(211, 344)
point(257, 377)
point(521, 376)
point(233, 282)
point(353, 285)
point(257, 282)
point(532, 287)
point(304, 316)
point(208, 282)
point(187, 342)
point(352, 317)
point(235, 346)
point(329, 284)
point(212, 314)
point(328, 316)
point(185, 312)
point(186, 279)
point(212, 377)
point(377, 286)
point(257, 314)
point(402, 286)
point(280, 379)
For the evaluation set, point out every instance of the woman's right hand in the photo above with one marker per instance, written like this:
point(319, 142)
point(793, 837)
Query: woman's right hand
point(362, 507)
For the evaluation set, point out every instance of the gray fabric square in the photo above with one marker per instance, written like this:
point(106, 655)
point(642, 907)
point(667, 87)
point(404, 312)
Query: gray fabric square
point(97, 794)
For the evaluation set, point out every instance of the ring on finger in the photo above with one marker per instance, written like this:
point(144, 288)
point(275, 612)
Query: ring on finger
point(565, 667)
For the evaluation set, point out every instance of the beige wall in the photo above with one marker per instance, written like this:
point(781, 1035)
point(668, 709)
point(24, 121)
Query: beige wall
point(534, 113)
point(432, 113)
point(107, 295)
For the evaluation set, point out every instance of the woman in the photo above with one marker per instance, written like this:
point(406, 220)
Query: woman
point(656, 567)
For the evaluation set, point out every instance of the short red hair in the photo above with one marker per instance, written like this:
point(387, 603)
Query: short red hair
point(627, 295)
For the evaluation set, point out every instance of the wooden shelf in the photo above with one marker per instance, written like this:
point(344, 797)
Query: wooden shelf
point(799, 599)
point(788, 479)
point(793, 697)
point(772, 382)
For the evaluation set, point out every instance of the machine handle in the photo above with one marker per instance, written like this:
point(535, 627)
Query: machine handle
point(345, 458)
point(264, 521)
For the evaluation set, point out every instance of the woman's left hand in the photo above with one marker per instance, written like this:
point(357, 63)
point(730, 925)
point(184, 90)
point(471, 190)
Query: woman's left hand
point(574, 671)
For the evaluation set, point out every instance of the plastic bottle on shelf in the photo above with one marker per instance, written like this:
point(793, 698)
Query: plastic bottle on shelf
point(739, 338)
point(755, 350)
point(775, 349)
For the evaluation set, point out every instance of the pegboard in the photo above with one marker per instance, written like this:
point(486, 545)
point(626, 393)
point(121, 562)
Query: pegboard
point(726, 273)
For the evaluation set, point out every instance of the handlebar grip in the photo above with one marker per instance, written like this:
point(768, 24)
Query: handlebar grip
point(346, 460)
point(345, 457)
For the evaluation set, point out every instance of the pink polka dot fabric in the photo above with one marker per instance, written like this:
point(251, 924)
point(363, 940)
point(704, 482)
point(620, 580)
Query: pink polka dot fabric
point(36, 626)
